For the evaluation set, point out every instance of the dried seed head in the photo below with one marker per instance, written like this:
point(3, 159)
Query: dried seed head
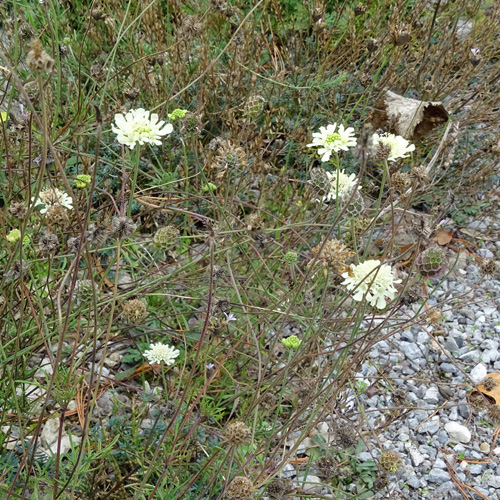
point(85, 290)
point(135, 310)
point(478, 401)
point(18, 210)
point(167, 410)
point(73, 243)
point(238, 433)
point(421, 174)
point(48, 242)
point(400, 35)
point(390, 461)
point(489, 383)
point(19, 267)
point(382, 152)
point(372, 45)
point(122, 226)
point(401, 181)
point(166, 237)
point(411, 296)
point(97, 234)
point(360, 9)
point(268, 401)
point(493, 414)
point(276, 488)
point(218, 273)
point(25, 31)
point(38, 60)
point(254, 222)
point(231, 157)
point(221, 305)
point(381, 482)
point(327, 467)
point(399, 396)
point(334, 254)
point(434, 316)
point(488, 267)
point(240, 488)
point(345, 435)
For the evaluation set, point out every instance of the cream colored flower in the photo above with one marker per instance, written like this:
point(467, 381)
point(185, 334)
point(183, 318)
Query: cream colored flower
point(373, 281)
point(346, 184)
point(53, 197)
point(161, 352)
point(400, 147)
point(139, 126)
point(330, 139)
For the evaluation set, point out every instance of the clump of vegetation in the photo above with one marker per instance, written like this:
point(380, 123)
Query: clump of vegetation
point(201, 204)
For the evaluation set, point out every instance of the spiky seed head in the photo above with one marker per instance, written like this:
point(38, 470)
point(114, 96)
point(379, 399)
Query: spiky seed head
point(254, 222)
point(18, 210)
point(345, 435)
point(478, 401)
point(493, 414)
point(488, 267)
point(390, 462)
point(166, 237)
point(97, 234)
point(411, 296)
point(327, 467)
point(238, 433)
point(431, 263)
point(399, 396)
point(122, 226)
point(73, 243)
point(167, 410)
point(135, 310)
point(85, 290)
point(489, 383)
point(421, 174)
point(401, 181)
point(434, 316)
point(381, 482)
point(276, 488)
point(240, 488)
point(48, 242)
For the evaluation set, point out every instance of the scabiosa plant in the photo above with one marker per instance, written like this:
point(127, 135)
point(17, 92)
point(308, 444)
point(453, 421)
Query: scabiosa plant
point(431, 263)
point(276, 488)
point(240, 488)
point(85, 290)
point(139, 126)
point(48, 242)
point(340, 186)
point(238, 433)
point(390, 462)
point(135, 310)
point(397, 146)
point(372, 280)
point(159, 352)
point(166, 237)
point(52, 198)
point(331, 139)
point(122, 226)
point(18, 209)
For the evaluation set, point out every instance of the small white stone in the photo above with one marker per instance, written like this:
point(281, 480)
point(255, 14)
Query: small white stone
point(478, 373)
point(65, 444)
point(50, 431)
point(484, 447)
point(458, 432)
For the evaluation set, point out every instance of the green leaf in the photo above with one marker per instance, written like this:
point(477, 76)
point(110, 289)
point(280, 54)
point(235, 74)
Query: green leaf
point(124, 374)
point(3, 116)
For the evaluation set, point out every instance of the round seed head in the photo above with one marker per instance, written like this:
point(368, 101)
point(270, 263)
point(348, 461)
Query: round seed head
point(489, 383)
point(240, 488)
point(122, 226)
point(48, 242)
point(345, 435)
point(18, 210)
point(238, 433)
point(166, 237)
point(493, 414)
point(327, 467)
point(85, 290)
point(390, 461)
point(276, 488)
point(488, 267)
point(135, 310)
point(431, 263)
